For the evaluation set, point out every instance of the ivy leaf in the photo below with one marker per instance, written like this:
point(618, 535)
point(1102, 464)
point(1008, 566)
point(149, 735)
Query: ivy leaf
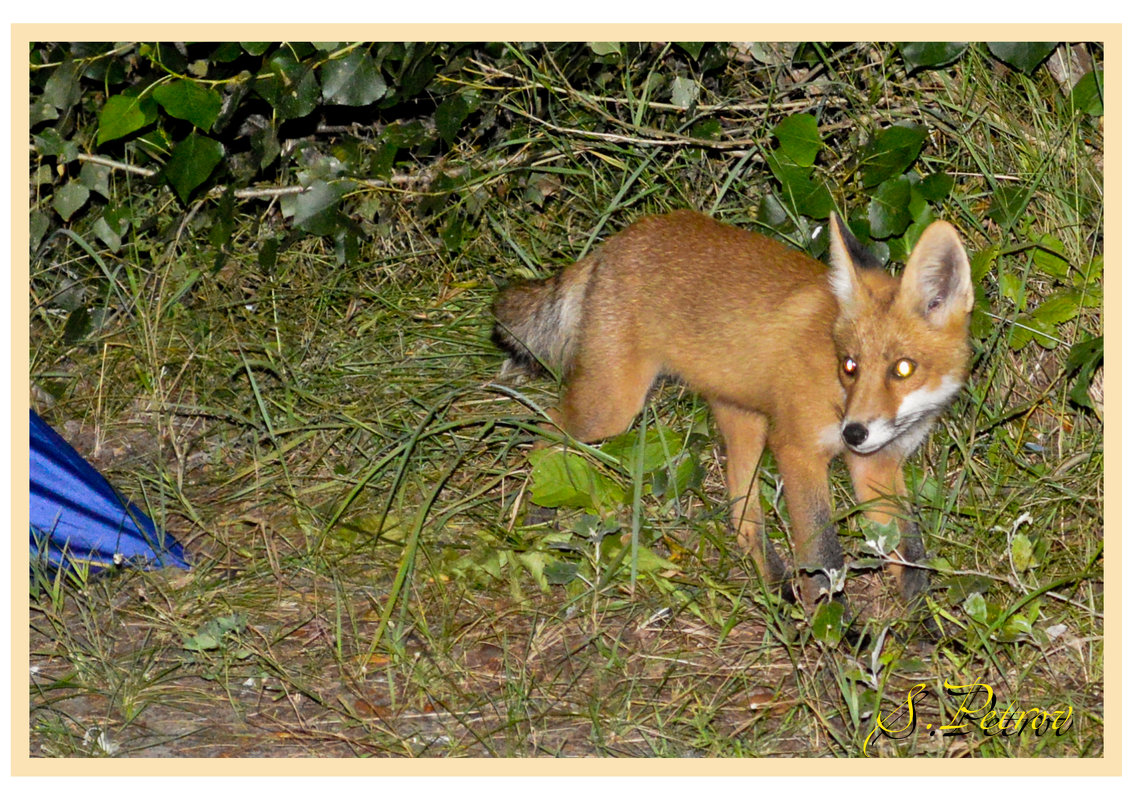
point(124, 114)
point(111, 227)
point(921, 55)
point(189, 101)
point(316, 211)
point(96, 177)
point(353, 80)
point(1024, 56)
point(41, 111)
point(62, 89)
point(191, 163)
point(890, 152)
point(799, 140)
point(684, 91)
point(69, 198)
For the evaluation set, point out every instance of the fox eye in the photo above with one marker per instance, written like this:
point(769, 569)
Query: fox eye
point(850, 366)
point(904, 368)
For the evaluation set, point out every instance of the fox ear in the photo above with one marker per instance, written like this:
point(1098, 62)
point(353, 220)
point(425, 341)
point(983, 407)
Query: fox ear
point(847, 255)
point(937, 282)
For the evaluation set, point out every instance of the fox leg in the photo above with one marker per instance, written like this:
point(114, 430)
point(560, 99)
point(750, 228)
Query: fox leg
point(744, 434)
point(808, 496)
point(878, 480)
point(604, 395)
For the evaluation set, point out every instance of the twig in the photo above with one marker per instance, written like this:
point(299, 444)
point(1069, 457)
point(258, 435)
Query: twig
point(117, 165)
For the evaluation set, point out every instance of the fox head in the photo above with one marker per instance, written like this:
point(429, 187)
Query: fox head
point(901, 343)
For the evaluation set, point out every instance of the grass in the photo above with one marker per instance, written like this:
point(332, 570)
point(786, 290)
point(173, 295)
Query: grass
point(331, 443)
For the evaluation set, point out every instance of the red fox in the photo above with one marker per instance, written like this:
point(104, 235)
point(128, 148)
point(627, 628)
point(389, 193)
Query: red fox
point(810, 361)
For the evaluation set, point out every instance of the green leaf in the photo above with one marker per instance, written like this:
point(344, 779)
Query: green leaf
point(1023, 556)
point(890, 152)
point(799, 140)
point(559, 572)
point(1087, 96)
point(69, 198)
point(187, 100)
point(78, 326)
point(41, 111)
point(709, 128)
point(456, 232)
point(1050, 258)
point(661, 445)
point(919, 55)
point(51, 143)
point(191, 163)
point(449, 116)
point(1058, 308)
point(982, 262)
point(40, 223)
point(124, 114)
point(1008, 203)
point(606, 48)
point(290, 86)
point(827, 623)
point(976, 607)
point(1029, 329)
point(799, 191)
point(255, 48)
point(96, 177)
point(889, 208)
point(692, 48)
point(1024, 56)
point(1012, 289)
point(111, 227)
point(353, 80)
point(62, 89)
point(936, 187)
point(560, 478)
point(212, 634)
point(684, 91)
point(316, 211)
point(922, 213)
point(1083, 361)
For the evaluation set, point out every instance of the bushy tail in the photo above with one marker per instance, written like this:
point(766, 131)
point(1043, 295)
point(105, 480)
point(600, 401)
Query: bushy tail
point(537, 321)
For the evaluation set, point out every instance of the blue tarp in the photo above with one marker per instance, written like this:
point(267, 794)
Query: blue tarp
point(77, 517)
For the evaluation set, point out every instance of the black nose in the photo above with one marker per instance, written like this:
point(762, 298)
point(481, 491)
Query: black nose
point(854, 434)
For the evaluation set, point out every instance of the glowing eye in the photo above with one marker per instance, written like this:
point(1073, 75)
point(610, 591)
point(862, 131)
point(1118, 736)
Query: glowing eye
point(849, 366)
point(904, 368)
